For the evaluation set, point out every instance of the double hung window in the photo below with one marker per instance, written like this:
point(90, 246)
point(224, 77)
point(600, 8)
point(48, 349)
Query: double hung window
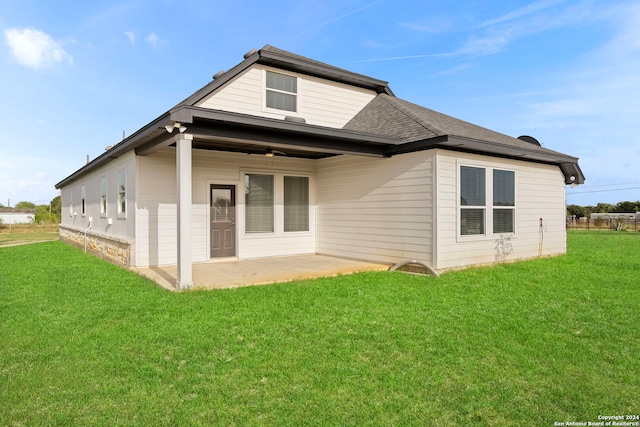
point(122, 192)
point(282, 91)
point(83, 200)
point(487, 206)
point(103, 196)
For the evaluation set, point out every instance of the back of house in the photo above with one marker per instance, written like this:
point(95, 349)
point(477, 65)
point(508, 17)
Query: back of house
point(283, 155)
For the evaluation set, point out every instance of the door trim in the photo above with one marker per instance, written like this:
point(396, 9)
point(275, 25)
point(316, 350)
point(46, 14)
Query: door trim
point(233, 188)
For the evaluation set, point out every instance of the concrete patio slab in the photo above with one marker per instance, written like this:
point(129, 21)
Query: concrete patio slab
point(236, 273)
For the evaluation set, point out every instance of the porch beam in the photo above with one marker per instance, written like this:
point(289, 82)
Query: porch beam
point(184, 143)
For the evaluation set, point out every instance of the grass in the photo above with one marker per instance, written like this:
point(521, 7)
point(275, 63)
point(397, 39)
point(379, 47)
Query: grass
point(83, 342)
point(16, 234)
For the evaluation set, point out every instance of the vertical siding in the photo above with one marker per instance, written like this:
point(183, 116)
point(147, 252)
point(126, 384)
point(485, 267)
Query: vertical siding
point(540, 193)
point(156, 237)
point(320, 102)
point(121, 226)
point(376, 209)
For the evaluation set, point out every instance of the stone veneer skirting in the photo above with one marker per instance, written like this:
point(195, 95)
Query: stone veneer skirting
point(111, 248)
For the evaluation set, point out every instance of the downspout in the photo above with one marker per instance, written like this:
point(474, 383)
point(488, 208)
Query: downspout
point(85, 234)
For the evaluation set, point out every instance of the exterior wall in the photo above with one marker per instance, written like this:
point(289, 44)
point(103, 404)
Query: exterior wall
point(111, 225)
point(320, 102)
point(540, 193)
point(156, 210)
point(376, 209)
point(117, 250)
point(16, 217)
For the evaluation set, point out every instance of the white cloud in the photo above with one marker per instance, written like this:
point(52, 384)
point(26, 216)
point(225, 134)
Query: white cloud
point(523, 11)
point(153, 40)
point(498, 37)
point(131, 36)
point(35, 49)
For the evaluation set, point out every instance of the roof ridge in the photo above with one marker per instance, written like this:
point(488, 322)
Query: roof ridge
point(397, 103)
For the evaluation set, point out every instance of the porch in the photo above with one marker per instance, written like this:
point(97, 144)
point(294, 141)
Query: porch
point(236, 273)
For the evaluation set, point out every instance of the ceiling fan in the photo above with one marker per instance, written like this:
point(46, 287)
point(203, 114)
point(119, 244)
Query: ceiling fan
point(270, 152)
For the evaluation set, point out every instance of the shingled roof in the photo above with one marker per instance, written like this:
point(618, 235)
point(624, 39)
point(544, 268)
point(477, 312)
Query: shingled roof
point(387, 126)
point(421, 128)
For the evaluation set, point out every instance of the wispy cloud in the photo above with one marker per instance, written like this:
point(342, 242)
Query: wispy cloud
point(331, 21)
point(153, 40)
point(35, 49)
point(523, 11)
point(131, 36)
point(503, 31)
point(495, 35)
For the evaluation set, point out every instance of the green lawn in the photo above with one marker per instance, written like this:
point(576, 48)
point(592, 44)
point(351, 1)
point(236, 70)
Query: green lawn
point(83, 342)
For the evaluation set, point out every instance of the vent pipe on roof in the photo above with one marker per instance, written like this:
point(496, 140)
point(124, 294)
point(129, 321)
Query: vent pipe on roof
point(251, 52)
point(218, 74)
point(87, 159)
point(530, 140)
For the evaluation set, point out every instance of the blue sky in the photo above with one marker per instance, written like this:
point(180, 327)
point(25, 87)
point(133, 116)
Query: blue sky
point(75, 74)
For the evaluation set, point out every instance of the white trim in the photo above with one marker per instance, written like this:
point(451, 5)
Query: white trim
point(488, 167)
point(236, 185)
point(299, 87)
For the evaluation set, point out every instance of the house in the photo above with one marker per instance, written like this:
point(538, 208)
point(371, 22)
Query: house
point(284, 155)
point(16, 216)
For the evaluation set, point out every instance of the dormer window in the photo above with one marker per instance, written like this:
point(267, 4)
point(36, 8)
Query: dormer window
point(282, 91)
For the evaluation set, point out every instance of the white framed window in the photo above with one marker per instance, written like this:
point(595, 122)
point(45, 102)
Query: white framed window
point(296, 203)
point(103, 196)
point(281, 91)
point(473, 204)
point(122, 193)
point(504, 201)
point(276, 203)
point(259, 203)
point(83, 200)
point(487, 201)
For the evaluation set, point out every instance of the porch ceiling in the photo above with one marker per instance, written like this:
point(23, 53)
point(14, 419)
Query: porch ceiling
point(224, 131)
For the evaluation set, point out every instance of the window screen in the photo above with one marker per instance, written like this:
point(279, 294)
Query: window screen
point(296, 203)
point(504, 198)
point(472, 193)
point(258, 203)
point(281, 91)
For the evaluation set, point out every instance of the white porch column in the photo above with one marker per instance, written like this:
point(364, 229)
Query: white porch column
point(183, 176)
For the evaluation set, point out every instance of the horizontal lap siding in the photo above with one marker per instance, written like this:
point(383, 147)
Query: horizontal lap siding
point(157, 214)
point(320, 102)
point(540, 193)
point(121, 226)
point(376, 209)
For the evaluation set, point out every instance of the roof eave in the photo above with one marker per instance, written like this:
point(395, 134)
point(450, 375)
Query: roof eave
point(299, 64)
point(568, 164)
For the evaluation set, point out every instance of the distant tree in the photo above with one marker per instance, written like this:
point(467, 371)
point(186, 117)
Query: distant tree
point(628, 206)
point(25, 205)
point(603, 208)
point(48, 214)
point(1, 205)
point(56, 208)
point(578, 211)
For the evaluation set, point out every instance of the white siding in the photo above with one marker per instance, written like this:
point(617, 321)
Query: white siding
point(376, 209)
point(121, 225)
point(320, 102)
point(156, 240)
point(540, 193)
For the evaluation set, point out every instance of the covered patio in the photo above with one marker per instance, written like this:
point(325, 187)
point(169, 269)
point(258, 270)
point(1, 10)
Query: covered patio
point(233, 273)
